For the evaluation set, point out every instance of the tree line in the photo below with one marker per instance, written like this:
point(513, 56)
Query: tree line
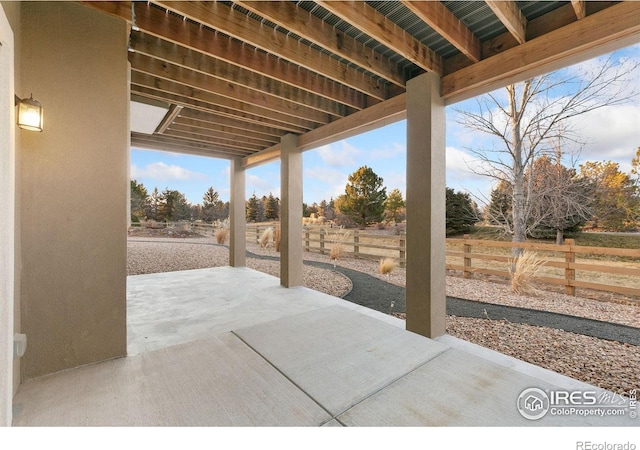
point(172, 206)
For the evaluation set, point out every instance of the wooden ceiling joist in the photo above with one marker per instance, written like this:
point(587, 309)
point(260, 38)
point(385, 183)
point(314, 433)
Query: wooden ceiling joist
point(157, 48)
point(287, 15)
point(511, 17)
point(215, 128)
point(221, 17)
point(383, 30)
point(191, 96)
point(247, 73)
point(161, 70)
point(446, 24)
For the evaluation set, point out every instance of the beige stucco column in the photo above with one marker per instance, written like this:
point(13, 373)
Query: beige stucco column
point(426, 301)
point(291, 212)
point(237, 216)
point(73, 187)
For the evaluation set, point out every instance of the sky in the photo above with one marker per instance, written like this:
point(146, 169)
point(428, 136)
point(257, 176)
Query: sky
point(611, 133)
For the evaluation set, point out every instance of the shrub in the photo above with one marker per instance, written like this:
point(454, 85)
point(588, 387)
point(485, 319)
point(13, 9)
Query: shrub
point(277, 238)
point(221, 235)
point(522, 272)
point(387, 265)
point(266, 238)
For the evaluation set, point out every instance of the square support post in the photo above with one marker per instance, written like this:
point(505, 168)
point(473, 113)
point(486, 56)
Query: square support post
point(291, 212)
point(426, 185)
point(237, 216)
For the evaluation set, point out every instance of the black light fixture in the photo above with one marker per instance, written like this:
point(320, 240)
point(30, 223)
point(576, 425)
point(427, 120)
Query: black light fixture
point(30, 114)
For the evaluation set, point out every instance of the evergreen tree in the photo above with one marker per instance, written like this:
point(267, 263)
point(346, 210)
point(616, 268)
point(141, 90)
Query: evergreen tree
point(461, 212)
point(393, 205)
point(210, 202)
point(139, 201)
point(271, 208)
point(364, 197)
point(252, 208)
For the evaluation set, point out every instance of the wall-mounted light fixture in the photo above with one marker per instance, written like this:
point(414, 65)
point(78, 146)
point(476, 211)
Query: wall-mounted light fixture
point(30, 114)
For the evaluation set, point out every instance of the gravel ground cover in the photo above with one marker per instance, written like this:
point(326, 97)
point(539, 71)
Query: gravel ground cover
point(608, 364)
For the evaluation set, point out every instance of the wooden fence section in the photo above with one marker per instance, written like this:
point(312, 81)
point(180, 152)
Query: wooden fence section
point(566, 265)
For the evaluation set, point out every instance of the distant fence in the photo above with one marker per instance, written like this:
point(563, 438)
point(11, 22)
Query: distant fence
point(565, 265)
point(569, 265)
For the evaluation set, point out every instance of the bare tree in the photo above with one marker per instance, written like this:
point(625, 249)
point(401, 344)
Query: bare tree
point(529, 121)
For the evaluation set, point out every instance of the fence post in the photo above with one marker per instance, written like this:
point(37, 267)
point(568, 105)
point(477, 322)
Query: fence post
point(356, 247)
point(306, 240)
point(322, 241)
point(467, 257)
point(257, 234)
point(403, 250)
point(569, 273)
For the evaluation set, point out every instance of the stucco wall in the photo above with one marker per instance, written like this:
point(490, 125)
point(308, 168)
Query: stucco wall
point(12, 11)
point(7, 221)
point(73, 187)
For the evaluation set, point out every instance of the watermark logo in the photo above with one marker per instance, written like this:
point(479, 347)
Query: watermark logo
point(534, 403)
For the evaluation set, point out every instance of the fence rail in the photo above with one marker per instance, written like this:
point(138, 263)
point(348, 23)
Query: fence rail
point(568, 265)
point(617, 270)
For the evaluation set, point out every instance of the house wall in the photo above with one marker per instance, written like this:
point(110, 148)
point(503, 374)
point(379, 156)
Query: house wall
point(7, 221)
point(12, 11)
point(73, 187)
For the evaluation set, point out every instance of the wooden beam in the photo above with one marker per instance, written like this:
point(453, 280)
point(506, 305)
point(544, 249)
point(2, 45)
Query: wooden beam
point(232, 122)
point(160, 142)
point(198, 80)
point(214, 128)
point(228, 143)
point(207, 103)
point(194, 60)
point(186, 34)
point(511, 16)
point(216, 132)
point(223, 18)
point(376, 25)
point(445, 23)
point(580, 7)
point(610, 29)
point(287, 15)
point(385, 113)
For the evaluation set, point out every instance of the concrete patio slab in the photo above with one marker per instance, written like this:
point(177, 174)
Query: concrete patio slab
point(216, 381)
point(230, 346)
point(166, 309)
point(459, 389)
point(338, 356)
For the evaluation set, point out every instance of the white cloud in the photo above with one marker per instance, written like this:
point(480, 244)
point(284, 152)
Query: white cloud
point(393, 150)
point(341, 154)
point(611, 133)
point(164, 172)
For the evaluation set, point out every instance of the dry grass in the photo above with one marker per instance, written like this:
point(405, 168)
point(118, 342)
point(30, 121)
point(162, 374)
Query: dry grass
point(221, 235)
point(387, 265)
point(276, 238)
point(522, 272)
point(266, 238)
point(337, 247)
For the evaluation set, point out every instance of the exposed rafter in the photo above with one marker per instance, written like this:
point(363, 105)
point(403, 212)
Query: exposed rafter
point(438, 17)
point(511, 17)
point(287, 15)
point(220, 17)
point(370, 21)
point(246, 73)
point(580, 7)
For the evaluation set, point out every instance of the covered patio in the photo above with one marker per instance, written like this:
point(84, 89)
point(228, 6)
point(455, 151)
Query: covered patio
point(231, 347)
point(251, 82)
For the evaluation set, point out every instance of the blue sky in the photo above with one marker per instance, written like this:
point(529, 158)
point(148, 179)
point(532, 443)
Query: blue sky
point(612, 133)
